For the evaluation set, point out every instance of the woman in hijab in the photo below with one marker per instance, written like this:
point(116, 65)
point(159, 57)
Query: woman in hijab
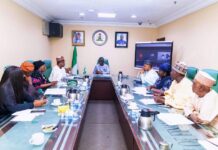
point(38, 79)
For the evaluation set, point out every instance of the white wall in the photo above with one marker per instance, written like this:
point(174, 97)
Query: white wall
point(119, 58)
point(21, 36)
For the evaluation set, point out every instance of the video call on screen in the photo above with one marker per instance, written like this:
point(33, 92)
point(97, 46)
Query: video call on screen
point(158, 53)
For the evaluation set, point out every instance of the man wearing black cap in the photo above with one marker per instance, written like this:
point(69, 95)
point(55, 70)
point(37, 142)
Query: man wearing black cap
point(148, 75)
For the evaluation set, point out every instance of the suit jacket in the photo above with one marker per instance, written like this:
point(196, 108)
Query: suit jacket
point(8, 103)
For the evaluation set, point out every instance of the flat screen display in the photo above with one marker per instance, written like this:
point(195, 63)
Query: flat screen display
point(157, 52)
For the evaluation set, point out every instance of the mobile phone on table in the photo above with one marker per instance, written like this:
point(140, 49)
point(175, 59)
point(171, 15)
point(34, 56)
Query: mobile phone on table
point(37, 110)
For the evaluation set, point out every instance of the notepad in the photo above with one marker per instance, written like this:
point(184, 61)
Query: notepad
point(141, 91)
point(55, 91)
point(147, 101)
point(27, 117)
point(22, 112)
point(207, 145)
point(127, 97)
point(174, 119)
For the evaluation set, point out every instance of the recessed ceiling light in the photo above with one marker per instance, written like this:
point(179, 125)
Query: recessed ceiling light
point(91, 10)
point(82, 14)
point(133, 16)
point(106, 15)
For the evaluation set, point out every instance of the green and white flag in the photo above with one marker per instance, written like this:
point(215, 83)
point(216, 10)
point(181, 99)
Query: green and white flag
point(74, 62)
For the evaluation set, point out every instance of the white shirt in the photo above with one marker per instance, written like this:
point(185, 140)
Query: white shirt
point(149, 77)
point(57, 73)
point(206, 108)
point(104, 69)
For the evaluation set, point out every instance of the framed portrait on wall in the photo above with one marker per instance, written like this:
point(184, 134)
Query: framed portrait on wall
point(78, 38)
point(121, 39)
point(99, 37)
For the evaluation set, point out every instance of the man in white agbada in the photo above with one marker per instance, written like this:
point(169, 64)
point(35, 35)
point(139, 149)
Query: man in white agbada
point(203, 106)
point(148, 75)
point(58, 71)
point(180, 90)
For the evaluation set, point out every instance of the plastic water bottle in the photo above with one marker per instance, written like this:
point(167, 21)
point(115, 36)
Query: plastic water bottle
point(120, 76)
point(84, 71)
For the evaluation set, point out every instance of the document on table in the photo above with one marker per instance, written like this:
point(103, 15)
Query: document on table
point(207, 145)
point(55, 91)
point(127, 97)
point(174, 119)
point(25, 115)
point(141, 91)
point(22, 112)
point(147, 101)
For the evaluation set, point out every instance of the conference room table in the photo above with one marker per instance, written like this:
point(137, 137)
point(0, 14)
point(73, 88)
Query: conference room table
point(16, 135)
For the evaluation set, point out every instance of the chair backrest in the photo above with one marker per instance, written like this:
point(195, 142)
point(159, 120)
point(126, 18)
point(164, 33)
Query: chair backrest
point(49, 68)
point(214, 74)
point(105, 61)
point(191, 72)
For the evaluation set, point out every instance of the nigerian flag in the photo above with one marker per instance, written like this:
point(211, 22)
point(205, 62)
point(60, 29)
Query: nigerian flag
point(74, 61)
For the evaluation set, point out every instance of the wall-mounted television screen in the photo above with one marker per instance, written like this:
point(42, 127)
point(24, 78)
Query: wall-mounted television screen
point(157, 52)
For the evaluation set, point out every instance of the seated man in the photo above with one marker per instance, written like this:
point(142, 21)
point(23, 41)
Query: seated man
point(148, 75)
point(180, 90)
point(203, 106)
point(58, 71)
point(164, 81)
point(101, 67)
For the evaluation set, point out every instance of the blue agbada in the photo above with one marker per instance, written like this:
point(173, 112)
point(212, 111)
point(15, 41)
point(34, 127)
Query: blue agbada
point(163, 83)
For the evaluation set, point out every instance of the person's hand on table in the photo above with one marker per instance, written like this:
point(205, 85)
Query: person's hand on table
point(149, 88)
point(194, 117)
point(39, 103)
point(98, 72)
point(157, 92)
point(68, 70)
point(53, 83)
point(159, 99)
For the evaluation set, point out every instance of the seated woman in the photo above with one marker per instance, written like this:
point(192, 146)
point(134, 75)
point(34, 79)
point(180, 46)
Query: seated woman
point(13, 97)
point(101, 67)
point(27, 68)
point(164, 81)
point(38, 79)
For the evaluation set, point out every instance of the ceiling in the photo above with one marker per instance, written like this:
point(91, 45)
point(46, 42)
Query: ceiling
point(152, 13)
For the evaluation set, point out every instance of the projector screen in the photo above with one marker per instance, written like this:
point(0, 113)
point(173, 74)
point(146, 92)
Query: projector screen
point(157, 52)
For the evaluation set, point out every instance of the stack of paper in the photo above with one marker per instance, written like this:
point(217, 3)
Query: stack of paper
point(207, 145)
point(55, 91)
point(174, 119)
point(147, 101)
point(141, 91)
point(25, 115)
point(127, 97)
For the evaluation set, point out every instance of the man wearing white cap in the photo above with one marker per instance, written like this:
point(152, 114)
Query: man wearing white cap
point(58, 71)
point(148, 75)
point(180, 90)
point(203, 106)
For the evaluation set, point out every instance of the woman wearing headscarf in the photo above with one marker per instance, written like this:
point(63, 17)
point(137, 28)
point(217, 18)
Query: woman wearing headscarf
point(164, 81)
point(38, 79)
point(13, 96)
point(27, 69)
